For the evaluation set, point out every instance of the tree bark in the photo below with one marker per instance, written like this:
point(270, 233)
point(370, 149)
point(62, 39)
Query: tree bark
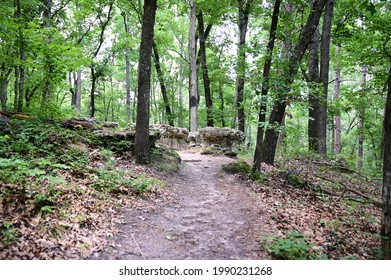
point(180, 97)
point(142, 143)
point(221, 96)
point(72, 87)
point(193, 100)
point(127, 72)
point(338, 144)
point(386, 193)
point(313, 99)
point(78, 92)
point(4, 75)
point(324, 76)
point(163, 88)
point(47, 14)
point(265, 87)
point(22, 58)
point(205, 74)
point(361, 121)
point(278, 111)
point(92, 92)
point(16, 87)
point(244, 12)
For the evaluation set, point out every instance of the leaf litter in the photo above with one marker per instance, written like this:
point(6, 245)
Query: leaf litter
point(73, 213)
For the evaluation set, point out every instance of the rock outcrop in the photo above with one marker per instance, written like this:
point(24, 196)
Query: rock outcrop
point(213, 140)
point(174, 138)
point(220, 140)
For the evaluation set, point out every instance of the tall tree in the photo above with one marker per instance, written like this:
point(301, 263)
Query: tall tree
point(47, 14)
point(266, 86)
point(159, 72)
point(205, 75)
point(319, 81)
point(20, 70)
point(361, 117)
point(162, 83)
point(324, 75)
point(142, 143)
point(271, 136)
point(337, 89)
point(193, 100)
point(313, 99)
point(103, 23)
point(386, 213)
point(244, 7)
point(127, 69)
point(4, 80)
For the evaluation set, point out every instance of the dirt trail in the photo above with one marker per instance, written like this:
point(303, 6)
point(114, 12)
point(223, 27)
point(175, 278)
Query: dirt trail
point(213, 216)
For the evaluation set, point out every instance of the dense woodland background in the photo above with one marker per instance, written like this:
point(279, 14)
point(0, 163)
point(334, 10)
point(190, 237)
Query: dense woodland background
point(297, 77)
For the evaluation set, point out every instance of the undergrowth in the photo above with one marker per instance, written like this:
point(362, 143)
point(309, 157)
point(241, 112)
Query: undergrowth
point(293, 247)
point(50, 178)
point(322, 207)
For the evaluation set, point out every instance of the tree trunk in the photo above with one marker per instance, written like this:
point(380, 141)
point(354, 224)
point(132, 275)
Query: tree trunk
point(324, 76)
point(221, 96)
point(155, 107)
point(92, 93)
point(163, 88)
point(337, 89)
point(193, 68)
point(94, 76)
point(20, 72)
point(205, 74)
point(78, 92)
point(127, 78)
point(386, 213)
point(127, 72)
point(278, 111)
point(4, 86)
point(244, 12)
point(72, 87)
point(47, 14)
point(180, 97)
point(360, 151)
point(265, 87)
point(313, 99)
point(142, 143)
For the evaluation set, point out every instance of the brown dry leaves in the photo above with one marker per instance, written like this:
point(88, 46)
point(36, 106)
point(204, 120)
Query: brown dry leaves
point(78, 223)
point(343, 226)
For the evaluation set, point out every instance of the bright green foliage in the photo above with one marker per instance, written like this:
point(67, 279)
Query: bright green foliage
point(143, 185)
point(55, 53)
point(293, 247)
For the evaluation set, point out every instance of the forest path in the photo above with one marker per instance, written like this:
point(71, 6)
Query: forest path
point(212, 215)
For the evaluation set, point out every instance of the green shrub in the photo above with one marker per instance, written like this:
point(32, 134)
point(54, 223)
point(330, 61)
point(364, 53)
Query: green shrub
point(293, 247)
point(143, 185)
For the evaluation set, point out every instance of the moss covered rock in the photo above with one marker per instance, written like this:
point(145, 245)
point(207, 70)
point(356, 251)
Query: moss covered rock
point(237, 167)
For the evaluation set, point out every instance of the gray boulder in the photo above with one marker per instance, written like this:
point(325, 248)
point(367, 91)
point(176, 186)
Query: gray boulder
point(174, 138)
point(221, 140)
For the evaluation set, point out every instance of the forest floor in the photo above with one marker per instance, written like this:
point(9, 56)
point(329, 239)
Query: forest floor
point(211, 215)
point(66, 195)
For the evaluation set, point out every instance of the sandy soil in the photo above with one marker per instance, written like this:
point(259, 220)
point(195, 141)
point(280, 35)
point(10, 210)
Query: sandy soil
point(212, 215)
